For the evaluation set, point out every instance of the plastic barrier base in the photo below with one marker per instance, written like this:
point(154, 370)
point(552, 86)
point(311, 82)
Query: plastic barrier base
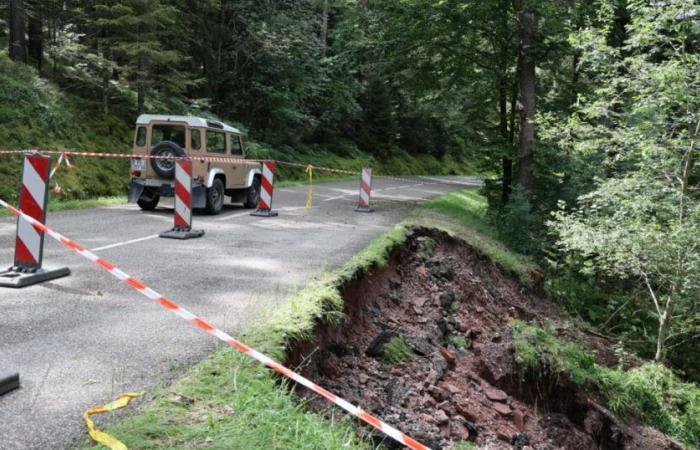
point(181, 233)
point(8, 382)
point(264, 213)
point(16, 278)
point(365, 209)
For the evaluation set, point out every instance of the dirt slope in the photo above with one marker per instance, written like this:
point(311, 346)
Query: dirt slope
point(426, 346)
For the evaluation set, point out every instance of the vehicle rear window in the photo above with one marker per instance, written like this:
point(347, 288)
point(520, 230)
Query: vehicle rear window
point(140, 136)
point(236, 147)
point(216, 142)
point(195, 139)
point(173, 133)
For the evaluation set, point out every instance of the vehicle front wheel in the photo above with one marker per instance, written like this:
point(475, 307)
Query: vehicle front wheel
point(148, 200)
point(215, 197)
point(252, 195)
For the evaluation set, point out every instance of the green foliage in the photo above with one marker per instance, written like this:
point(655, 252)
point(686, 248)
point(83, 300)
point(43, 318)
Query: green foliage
point(36, 114)
point(468, 210)
point(539, 351)
point(651, 392)
point(460, 342)
point(640, 222)
point(397, 350)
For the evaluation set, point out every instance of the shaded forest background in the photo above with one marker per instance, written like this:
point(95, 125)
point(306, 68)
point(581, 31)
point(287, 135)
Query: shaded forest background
point(583, 115)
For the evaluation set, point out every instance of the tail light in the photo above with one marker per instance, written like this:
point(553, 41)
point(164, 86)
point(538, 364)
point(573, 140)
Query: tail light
point(136, 173)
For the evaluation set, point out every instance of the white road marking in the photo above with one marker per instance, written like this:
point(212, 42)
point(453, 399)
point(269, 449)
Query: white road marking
point(119, 244)
point(461, 183)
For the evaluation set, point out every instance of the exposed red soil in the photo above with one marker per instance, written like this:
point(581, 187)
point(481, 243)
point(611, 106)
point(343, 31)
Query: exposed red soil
point(436, 291)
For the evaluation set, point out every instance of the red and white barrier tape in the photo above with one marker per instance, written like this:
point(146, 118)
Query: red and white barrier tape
point(191, 157)
point(217, 333)
point(128, 155)
point(225, 159)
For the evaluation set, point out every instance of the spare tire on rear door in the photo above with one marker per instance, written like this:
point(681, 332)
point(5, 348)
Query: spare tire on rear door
point(165, 167)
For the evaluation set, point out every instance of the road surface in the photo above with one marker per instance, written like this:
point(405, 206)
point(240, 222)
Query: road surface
point(79, 341)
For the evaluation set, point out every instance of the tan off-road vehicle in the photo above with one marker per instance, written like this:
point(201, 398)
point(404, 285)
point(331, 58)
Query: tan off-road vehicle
point(162, 135)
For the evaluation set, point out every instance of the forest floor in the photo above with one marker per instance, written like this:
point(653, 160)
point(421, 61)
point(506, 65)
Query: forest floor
point(427, 345)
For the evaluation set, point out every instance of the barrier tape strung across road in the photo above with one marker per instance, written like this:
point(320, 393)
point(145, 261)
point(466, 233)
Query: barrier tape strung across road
point(219, 334)
point(225, 159)
point(100, 436)
point(127, 155)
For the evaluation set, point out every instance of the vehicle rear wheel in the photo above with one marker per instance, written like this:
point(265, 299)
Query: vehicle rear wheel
point(252, 195)
point(166, 167)
point(215, 197)
point(148, 200)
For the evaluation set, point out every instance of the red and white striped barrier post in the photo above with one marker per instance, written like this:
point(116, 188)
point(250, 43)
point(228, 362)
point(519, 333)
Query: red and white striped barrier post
point(266, 183)
point(183, 204)
point(365, 191)
point(29, 241)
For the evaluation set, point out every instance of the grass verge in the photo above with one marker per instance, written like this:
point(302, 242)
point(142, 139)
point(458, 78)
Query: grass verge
point(229, 401)
point(62, 205)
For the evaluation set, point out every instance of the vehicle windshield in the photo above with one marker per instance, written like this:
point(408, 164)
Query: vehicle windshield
point(173, 133)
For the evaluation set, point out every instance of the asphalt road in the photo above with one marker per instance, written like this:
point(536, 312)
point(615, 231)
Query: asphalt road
point(80, 340)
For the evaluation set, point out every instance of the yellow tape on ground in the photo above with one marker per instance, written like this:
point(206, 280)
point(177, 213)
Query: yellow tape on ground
point(99, 436)
point(310, 190)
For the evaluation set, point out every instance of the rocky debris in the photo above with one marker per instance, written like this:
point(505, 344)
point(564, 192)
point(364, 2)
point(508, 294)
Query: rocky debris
point(519, 420)
point(376, 347)
point(449, 357)
point(420, 345)
point(502, 409)
point(496, 395)
point(452, 308)
point(441, 417)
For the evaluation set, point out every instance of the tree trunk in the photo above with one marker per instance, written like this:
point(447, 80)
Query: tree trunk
point(527, 79)
point(18, 41)
point(141, 97)
point(664, 325)
point(324, 28)
point(105, 90)
point(35, 44)
point(507, 163)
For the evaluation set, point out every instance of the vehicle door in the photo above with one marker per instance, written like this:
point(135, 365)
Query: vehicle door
point(217, 146)
point(196, 151)
point(240, 167)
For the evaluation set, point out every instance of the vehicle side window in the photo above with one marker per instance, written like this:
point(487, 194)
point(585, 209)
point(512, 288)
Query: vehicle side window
point(140, 136)
point(216, 142)
point(196, 139)
point(236, 146)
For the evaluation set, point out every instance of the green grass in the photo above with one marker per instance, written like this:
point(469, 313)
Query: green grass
point(651, 392)
point(463, 214)
point(232, 402)
point(397, 350)
point(62, 205)
point(460, 342)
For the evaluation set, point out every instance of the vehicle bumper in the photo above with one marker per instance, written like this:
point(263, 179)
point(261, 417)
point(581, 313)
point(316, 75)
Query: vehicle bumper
point(136, 188)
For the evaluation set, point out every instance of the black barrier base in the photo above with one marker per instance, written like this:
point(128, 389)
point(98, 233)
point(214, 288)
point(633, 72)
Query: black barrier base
point(8, 382)
point(14, 278)
point(365, 209)
point(181, 233)
point(264, 213)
